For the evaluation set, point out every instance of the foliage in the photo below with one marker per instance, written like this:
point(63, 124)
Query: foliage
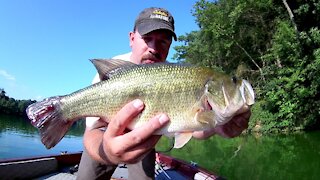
point(274, 44)
point(293, 90)
point(262, 121)
point(11, 106)
point(233, 36)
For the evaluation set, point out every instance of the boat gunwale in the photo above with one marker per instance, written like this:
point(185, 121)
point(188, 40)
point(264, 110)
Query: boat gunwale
point(71, 159)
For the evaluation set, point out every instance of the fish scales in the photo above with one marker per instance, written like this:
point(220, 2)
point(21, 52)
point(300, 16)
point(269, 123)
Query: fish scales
point(194, 98)
point(172, 89)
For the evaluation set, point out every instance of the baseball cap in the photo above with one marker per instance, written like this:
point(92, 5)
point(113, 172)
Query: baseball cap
point(151, 19)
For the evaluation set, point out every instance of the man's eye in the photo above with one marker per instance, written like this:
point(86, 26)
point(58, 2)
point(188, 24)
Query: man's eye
point(146, 38)
point(164, 42)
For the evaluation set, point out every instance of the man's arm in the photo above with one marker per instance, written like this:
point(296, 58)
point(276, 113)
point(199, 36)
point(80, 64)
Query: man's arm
point(115, 146)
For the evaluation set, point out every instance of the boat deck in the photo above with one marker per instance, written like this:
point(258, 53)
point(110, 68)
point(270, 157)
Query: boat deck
point(65, 167)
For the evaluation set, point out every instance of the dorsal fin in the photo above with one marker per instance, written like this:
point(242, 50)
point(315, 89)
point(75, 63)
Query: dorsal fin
point(108, 67)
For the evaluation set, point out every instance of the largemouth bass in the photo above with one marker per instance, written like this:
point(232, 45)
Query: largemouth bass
point(195, 99)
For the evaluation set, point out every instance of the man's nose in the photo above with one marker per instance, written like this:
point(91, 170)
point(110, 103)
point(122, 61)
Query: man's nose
point(153, 47)
point(155, 54)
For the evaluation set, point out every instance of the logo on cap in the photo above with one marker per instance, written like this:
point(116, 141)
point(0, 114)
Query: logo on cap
point(158, 14)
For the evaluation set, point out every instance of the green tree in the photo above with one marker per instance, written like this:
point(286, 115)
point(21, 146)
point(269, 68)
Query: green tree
point(274, 44)
point(233, 36)
point(2, 92)
point(12, 106)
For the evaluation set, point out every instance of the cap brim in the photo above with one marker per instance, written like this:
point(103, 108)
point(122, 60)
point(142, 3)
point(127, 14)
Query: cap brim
point(147, 27)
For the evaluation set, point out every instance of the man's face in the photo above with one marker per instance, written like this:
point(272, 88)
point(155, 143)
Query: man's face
point(150, 48)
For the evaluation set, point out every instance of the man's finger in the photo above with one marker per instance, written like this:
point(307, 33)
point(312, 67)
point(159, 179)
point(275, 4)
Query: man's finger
point(141, 134)
point(137, 153)
point(124, 117)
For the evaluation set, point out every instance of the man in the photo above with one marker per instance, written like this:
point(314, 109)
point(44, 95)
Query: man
point(150, 42)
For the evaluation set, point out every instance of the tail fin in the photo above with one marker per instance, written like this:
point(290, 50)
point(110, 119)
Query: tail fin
point(47, 117)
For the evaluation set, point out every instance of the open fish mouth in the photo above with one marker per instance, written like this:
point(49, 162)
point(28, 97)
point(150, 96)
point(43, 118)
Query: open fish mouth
point(207, 105)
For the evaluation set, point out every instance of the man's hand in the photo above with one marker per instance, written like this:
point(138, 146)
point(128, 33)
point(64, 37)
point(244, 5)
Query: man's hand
point(231, 129)
point(120, 147)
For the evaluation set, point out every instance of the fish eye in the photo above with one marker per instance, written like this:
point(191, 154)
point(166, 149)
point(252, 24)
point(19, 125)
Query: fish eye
point(234, 79)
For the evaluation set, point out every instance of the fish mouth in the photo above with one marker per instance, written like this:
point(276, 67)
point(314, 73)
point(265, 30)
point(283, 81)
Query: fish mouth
point(207, 105)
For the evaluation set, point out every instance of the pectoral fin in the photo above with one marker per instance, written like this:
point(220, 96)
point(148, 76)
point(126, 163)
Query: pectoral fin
point(205, 117)
point(181, 139)
point(202, 111)
point(196, 109)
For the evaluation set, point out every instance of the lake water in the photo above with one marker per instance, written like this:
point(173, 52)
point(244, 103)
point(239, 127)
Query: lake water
point(295, 156)
point(18, 138)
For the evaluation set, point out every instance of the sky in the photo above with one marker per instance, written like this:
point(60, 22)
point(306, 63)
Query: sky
point(45, 46)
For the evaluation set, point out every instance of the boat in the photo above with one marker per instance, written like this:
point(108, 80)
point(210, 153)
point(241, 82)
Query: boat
point(65, 166)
